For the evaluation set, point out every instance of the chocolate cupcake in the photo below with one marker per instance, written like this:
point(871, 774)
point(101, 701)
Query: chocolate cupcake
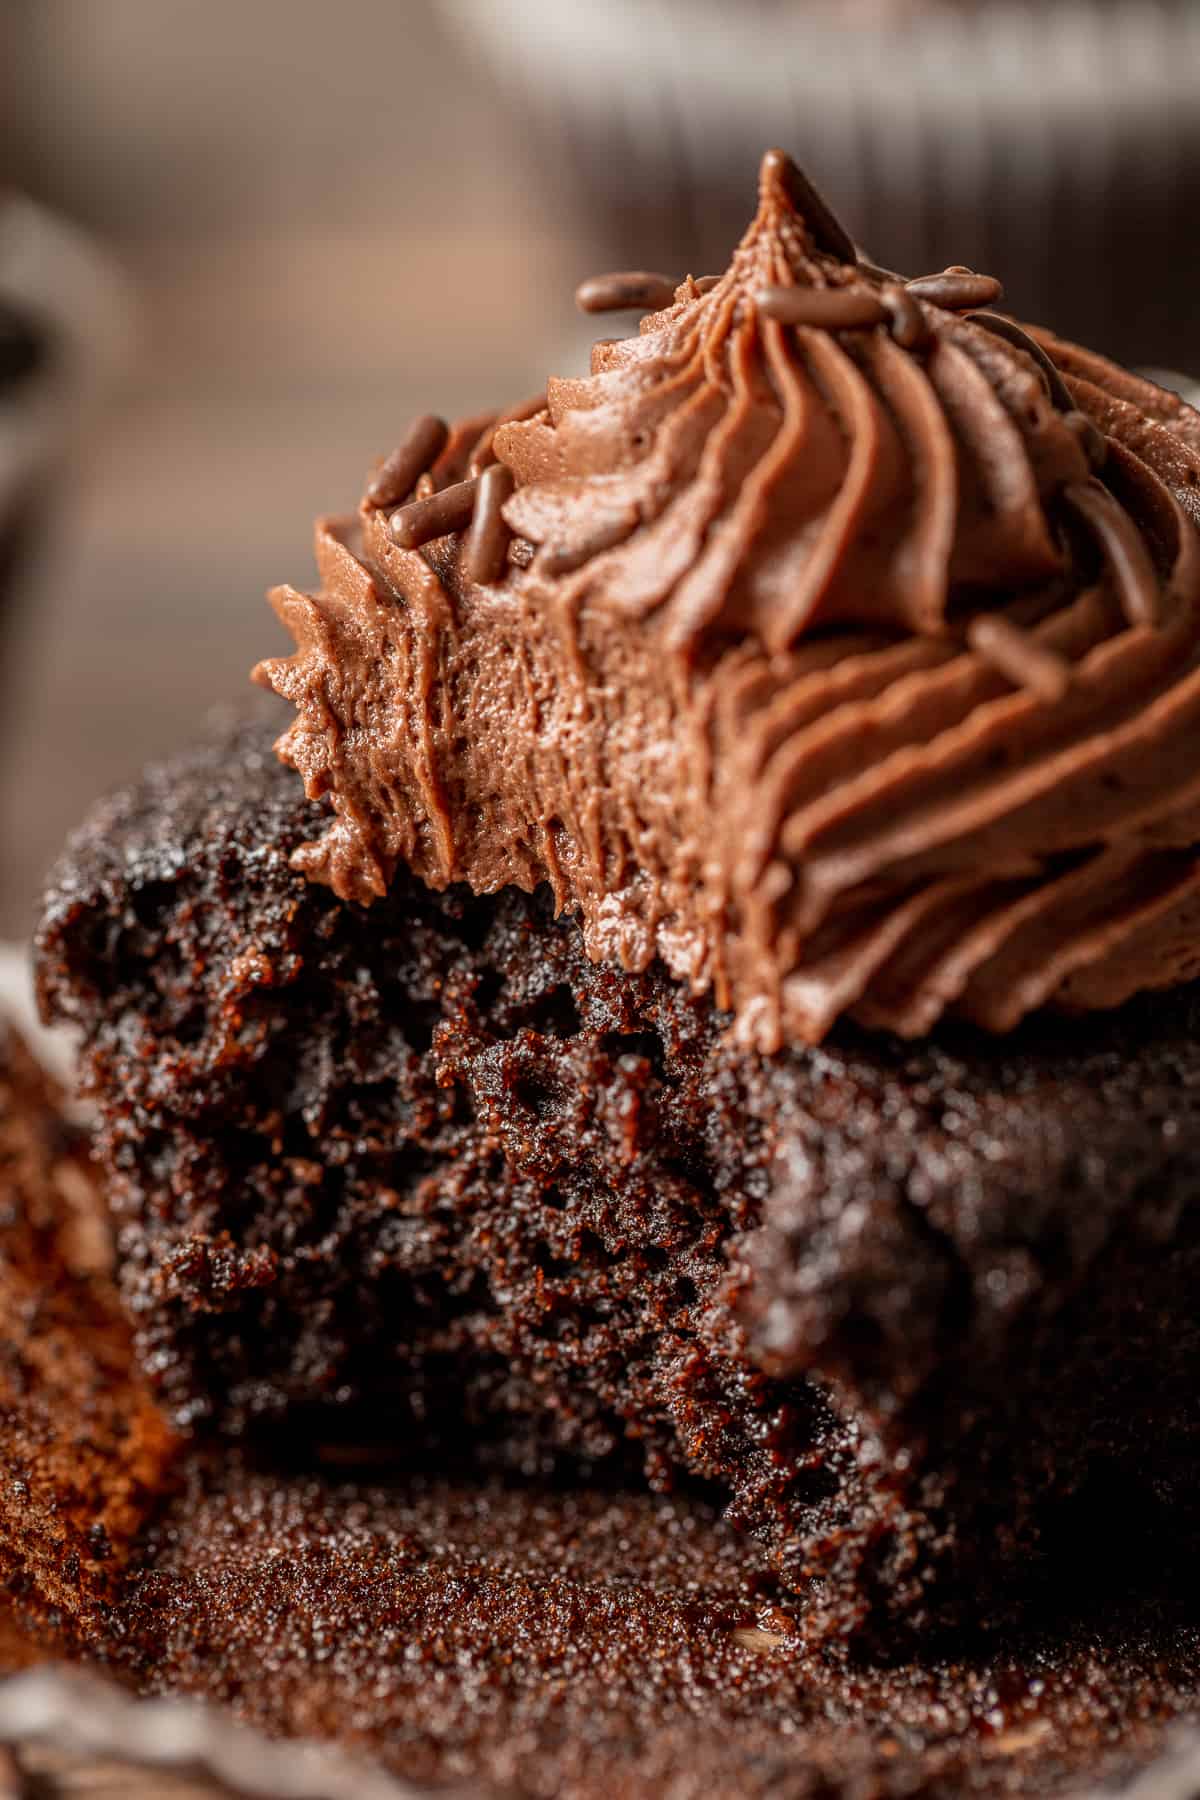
point(724, 1007)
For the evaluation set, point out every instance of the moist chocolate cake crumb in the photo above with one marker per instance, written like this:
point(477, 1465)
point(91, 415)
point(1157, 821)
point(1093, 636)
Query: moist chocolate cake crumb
point(921, 1317)
point(539, 1642)
point(83, 1448)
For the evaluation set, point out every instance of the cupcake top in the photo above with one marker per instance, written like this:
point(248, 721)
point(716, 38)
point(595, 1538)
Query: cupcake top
point(835, 639)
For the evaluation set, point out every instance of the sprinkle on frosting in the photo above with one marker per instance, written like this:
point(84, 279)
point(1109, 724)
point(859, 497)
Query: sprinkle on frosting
point(399, 473)
point(956, 290)
point(437, 515)
point(834, 639)
point(633, 290)
point(486, 548)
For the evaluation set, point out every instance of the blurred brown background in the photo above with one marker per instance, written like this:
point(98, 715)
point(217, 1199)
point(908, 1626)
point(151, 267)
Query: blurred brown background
point(318, 212)
point(330, 217)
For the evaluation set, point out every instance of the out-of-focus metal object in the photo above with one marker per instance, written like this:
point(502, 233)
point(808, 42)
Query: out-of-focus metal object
point(1054, 143)
point(65, 338)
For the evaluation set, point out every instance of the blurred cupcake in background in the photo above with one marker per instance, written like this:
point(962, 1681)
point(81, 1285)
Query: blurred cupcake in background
point(1053, 142)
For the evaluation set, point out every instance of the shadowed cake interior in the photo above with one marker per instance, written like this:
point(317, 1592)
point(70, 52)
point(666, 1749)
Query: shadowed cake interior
point(536, 1642)
point(914, 1313)
point(518, 1638)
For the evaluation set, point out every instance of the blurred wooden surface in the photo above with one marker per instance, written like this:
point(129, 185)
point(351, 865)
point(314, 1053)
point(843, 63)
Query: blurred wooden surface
point(326, 232)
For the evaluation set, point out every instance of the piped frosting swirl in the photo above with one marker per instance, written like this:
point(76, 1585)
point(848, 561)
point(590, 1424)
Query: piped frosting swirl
point(846, 653)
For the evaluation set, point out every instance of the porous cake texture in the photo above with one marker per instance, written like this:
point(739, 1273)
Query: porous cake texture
point(917, 1315)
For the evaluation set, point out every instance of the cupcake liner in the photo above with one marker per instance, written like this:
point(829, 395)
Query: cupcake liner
point(1054, 142)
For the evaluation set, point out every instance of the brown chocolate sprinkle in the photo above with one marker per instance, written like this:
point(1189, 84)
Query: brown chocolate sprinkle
point(1133, 573)
point(397, 475)
point(632, 289)
point(562, 559)
point(830, 309)
point(1024, 661)
point(956, 290)
point(1000, 325)
point(827, 231)
point(706, 283)
point(482, 453)
point(909, 325)
point(423, 520)
point(486, 552)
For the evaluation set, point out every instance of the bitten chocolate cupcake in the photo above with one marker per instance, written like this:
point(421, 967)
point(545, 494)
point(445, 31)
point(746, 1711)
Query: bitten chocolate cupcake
point(723, 1008)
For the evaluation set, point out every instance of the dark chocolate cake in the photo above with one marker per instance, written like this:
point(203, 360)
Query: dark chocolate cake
point(542, 1644)
point(918, 1315)
point(492, 1637)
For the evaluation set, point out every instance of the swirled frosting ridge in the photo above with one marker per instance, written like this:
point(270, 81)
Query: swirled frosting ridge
point(843, 649)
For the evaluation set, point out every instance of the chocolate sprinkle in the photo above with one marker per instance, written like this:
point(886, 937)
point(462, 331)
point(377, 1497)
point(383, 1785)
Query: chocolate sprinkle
point(1018, 656)
point(1000, 325)
point(628, 290)
point(437, 515)
point(486, 550)
point(397, 475)
point(956, 290)
point(828, 233)
point(830, 309)
point(706, 283)
point(909, 326)
point(1121, 544)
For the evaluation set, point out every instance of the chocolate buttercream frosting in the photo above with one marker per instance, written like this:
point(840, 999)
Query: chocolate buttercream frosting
point(833, 639)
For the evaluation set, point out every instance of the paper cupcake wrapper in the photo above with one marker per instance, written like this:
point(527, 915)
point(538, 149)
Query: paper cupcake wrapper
point(1053, 142)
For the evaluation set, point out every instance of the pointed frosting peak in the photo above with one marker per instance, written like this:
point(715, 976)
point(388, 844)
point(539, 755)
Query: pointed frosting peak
point(785, 191)
point(798, 443)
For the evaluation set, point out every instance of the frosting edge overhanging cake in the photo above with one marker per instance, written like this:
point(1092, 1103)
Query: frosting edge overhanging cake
point(834, 639)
